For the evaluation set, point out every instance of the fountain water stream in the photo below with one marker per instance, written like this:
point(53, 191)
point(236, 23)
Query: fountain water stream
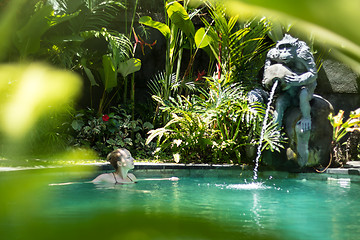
point(264, 125)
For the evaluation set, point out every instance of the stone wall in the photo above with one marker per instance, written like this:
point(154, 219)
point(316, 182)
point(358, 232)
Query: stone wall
point(340, 85)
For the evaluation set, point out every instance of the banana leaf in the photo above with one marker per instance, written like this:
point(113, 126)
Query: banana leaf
point(130, 66)
point(163, 28)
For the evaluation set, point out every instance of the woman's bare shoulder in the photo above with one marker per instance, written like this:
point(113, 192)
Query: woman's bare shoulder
point(105, 177)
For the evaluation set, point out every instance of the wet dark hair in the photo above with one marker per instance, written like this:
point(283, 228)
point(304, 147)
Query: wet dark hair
point(114, 157)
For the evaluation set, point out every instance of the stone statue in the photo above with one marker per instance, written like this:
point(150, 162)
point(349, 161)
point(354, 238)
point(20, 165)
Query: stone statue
point(292, 57)
point(292, 64)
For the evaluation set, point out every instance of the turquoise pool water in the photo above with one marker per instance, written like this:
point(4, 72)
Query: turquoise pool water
point(274, 207)
point(286, 208)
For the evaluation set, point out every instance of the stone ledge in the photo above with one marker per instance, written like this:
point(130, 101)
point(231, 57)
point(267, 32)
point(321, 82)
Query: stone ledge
point(352, 164)
point(162, 166)
point(337, 171)
point(354, 171)
point(350, 168)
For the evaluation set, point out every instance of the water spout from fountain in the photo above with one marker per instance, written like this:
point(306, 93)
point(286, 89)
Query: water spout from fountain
point(264, 125)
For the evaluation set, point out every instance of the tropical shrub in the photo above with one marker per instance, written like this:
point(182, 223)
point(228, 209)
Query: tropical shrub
point(340, 130)
point(216, 123)
point(111, 131)
point(178, 31)
point(212, 127)
point(239, 48)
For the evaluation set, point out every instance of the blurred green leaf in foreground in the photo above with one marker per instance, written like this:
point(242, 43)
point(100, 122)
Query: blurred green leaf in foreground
point(35, 98)
point(332, 22)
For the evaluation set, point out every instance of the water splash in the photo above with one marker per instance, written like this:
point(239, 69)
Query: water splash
point(248, 186)
point(264, 125)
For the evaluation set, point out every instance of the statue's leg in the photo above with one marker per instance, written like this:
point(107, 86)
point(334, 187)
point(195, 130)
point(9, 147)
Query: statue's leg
point(302, 144)
point(303, 126)
point(282, 103)
point(305, 97)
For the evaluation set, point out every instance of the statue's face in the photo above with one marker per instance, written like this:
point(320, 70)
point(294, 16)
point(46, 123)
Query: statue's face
point(286, 52)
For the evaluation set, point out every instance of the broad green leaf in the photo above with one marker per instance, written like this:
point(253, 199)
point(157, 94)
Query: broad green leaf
point(180, 18)
point(110, 76)
point(201, 38)
point(29, 36)
point(77, 125)
point(163, 28)
point(56, 19)
point(8, 26)
point(130, 66)
point(66, 38)
point(148, 125)
point(90, 76)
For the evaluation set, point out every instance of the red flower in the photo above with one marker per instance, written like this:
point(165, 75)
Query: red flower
point(105, 118)
point(200, 75)
point(142, 43)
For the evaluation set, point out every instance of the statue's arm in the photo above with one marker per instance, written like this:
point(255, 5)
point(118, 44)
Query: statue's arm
point(304, 79)
point(306, 59)
point(307, 78)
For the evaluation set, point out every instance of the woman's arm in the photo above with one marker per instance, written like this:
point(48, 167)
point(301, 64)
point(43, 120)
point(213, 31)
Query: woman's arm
point(158, 179)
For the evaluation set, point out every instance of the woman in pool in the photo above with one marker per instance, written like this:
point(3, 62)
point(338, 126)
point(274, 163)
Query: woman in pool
point(123, 162)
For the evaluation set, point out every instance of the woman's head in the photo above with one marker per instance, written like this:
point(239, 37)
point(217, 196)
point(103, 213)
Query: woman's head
point(121, 158)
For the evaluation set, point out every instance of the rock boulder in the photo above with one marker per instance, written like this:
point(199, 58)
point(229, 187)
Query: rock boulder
point(320, 137)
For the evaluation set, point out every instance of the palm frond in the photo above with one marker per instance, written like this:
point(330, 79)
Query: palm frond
point(95, 14)
point(158, 84)
point(119, 44)
point(273, 138)
point(248, 51)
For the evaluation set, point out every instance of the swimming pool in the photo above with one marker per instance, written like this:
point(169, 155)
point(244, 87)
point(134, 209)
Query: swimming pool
point(277, 206)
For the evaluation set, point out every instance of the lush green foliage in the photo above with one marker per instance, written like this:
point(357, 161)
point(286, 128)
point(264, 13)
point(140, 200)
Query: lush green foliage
point(35, 98)
point(218, 124)
point(340, 130)
point(104, 55)
point(214, 127)
point(108, 132)
point(237, 47)
point(178, 31)
point(206, 126)
point(79, 35)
